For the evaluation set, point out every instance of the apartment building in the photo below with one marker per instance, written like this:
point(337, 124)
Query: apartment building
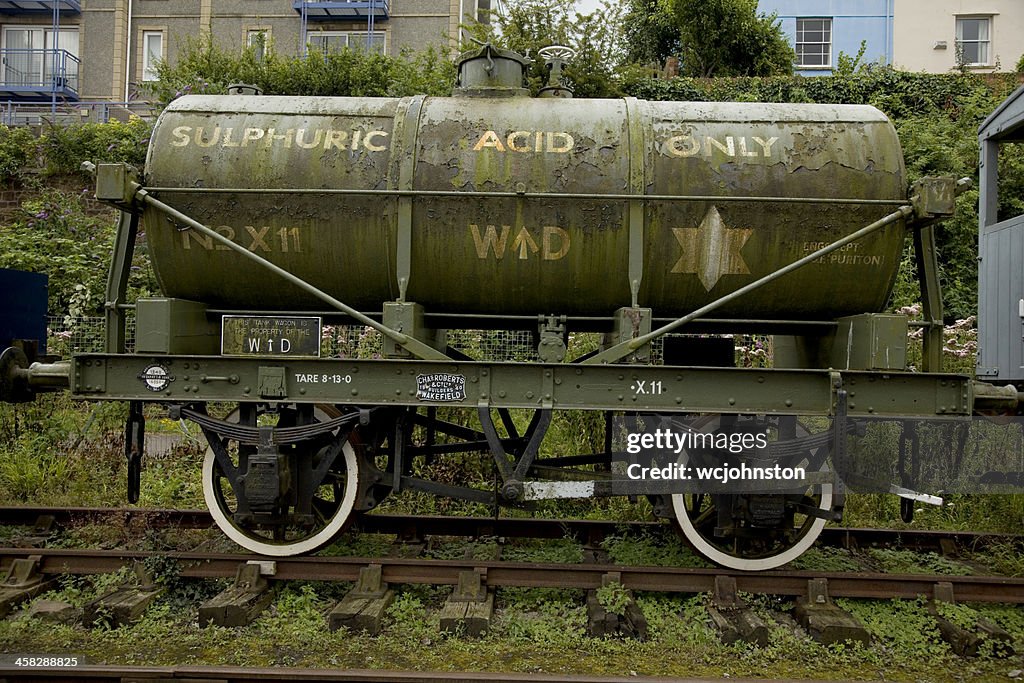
point(934, 36)
point(941, 35)
point(820, 30)
point(104, 50)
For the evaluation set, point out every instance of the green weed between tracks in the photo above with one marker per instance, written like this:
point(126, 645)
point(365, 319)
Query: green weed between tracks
point(72, 455)
point(533, 631)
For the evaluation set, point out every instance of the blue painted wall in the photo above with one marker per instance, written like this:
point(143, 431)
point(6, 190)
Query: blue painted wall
point(23, 314)
point(852, 22)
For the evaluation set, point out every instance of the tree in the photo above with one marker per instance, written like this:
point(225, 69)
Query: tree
point(650, 32)
point(526, 26)
point(730, 38)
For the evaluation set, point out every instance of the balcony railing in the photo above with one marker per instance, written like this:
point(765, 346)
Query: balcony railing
point(39, 6)
point(327, 10)
point(38, 74)
point(67, 113)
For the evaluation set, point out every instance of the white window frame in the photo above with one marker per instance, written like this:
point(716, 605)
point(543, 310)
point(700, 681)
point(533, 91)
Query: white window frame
point(251, 33)
point(38, 70)
point(984, 44)
point(798, 41)
point(250, 39)
point(380, 36)
point(148, 62)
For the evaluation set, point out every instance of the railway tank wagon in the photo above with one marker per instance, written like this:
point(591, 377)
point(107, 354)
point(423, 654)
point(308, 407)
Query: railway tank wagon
point(516, 194)
point(268, 216)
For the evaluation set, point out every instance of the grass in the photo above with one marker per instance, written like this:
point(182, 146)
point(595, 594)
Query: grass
point(59, 452)
point(649, 550)
point(55, 452)
point(565, 550)
point(541, 631)
point(998, 513)
point(827, 559)
point(1004, 558)
point(360, 545)
point(457, 549)
point(910, 562)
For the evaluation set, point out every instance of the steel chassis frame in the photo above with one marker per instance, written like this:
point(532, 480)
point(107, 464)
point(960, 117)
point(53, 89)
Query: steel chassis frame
point(600, 381)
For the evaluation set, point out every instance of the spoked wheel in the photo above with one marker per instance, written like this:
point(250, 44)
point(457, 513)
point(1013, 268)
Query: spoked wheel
point(294, 527)
point(753, 547)
point(696, 515)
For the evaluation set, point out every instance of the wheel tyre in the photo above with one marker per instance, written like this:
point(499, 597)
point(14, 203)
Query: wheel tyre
point(315, 541)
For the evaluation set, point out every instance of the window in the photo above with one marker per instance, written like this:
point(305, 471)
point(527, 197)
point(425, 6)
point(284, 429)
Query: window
point(972, 40)
point(814, 43)
point(28, 59)
point(257, 39)
point(329, 42)
point(152, 52)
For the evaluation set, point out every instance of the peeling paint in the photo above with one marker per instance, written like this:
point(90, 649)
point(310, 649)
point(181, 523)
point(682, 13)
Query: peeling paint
point(349, 242)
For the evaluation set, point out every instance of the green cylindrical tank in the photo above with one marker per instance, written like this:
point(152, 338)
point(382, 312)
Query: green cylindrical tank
point(527, 254)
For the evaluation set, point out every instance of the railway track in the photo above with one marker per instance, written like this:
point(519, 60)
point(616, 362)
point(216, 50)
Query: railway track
point(418, 527)
point(533, 574)
point(475, 580)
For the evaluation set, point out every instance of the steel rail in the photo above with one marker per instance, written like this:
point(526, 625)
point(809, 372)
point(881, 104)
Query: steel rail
point(997, 589)
point(413, 527)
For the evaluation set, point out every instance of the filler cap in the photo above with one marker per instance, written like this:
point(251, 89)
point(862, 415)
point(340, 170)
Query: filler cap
point(490, 72)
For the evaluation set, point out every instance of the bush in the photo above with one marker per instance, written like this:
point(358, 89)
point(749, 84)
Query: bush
point(52, 234)
point(897, 93)
point(204, 68)
point(17, 148)
point(65, 148)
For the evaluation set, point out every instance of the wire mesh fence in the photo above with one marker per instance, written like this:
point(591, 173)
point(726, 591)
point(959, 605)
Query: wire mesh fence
point(86, 335)
point(353, 341)
point(67, 335)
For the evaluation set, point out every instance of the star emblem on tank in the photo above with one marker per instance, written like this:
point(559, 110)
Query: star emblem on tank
point(711, 250)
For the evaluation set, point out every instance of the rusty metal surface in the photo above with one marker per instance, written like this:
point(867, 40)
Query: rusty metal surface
point(535, 254)
point(537, 575)
point(584, 530)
